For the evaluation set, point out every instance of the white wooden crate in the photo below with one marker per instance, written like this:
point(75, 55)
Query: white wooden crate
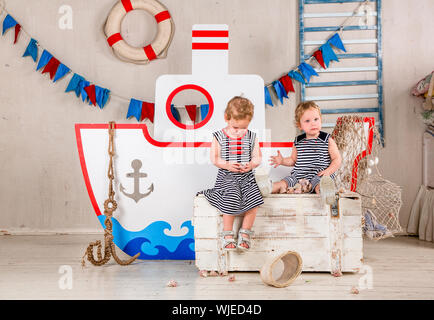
point(285, 222)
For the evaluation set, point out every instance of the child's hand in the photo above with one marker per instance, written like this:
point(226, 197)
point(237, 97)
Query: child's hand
point(276, 160)
point(233, 166)
point(325, 172)
point(247, 167)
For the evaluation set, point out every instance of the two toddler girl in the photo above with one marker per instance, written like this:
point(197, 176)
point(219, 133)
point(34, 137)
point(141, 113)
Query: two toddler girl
point(235, 151)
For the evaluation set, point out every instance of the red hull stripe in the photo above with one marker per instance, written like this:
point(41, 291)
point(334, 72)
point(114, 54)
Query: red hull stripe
point(163, 15)
point(210, 33)
point(114, 38)
point(210, 46)
point(150, 53)
point(127, 5)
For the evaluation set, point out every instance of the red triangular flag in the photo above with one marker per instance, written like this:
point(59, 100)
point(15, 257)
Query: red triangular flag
point(147, 111)
point(287, 83)
point(51, 67)
point(17, 32)
point(90, 90)
point(191, 110)
point(318, 56)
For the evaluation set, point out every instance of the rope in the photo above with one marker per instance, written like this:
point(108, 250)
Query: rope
point(110, 206)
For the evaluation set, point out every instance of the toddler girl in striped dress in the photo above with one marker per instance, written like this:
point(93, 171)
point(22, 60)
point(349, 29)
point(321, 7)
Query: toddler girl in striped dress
point(235, 151)
point(315, 156)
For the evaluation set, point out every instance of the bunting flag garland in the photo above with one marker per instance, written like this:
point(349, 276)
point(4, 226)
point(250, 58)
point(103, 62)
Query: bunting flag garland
point(204, 109)
point(336, 41)
point(175, 113)
point(268, 97)
point(307, 71)
point(32, 50)
point(287, 83)
point(191, 110)
point(141, 110)
point(318, 56)
point(328, 54)
point(8, 23)
point(280, 90)
point(98, 96)
point(296, 76)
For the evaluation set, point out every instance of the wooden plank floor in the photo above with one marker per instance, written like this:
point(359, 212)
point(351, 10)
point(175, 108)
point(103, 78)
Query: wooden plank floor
point(397, 268)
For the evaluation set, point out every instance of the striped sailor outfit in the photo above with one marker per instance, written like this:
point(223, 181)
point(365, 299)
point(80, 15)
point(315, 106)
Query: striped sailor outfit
point(234, 193)
point(312, 157)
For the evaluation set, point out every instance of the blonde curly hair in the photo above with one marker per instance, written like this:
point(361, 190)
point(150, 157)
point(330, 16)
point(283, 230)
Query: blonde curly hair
point(239, 108)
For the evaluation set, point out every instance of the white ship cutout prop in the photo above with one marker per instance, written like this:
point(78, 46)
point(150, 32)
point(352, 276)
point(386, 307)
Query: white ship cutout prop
point(157, 178)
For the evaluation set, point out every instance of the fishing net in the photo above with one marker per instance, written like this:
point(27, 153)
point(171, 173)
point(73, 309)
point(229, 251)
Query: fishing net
point(381, 199)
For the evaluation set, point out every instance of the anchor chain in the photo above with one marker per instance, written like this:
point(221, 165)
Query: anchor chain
point(110, 206)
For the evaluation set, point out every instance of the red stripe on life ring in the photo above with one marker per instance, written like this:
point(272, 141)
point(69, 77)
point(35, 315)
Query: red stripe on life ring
point(127, 5)
point(163, 15)
point(114, 38)
point(150, 53)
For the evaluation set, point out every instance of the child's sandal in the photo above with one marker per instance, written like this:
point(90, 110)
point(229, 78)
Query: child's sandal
point(229, 241)
point(244, 240)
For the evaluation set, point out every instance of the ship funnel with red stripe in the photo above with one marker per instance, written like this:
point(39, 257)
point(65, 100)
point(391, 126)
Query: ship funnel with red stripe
point(210, 46)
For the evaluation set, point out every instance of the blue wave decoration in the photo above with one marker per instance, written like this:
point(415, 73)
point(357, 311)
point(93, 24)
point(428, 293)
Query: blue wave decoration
point(152, 242)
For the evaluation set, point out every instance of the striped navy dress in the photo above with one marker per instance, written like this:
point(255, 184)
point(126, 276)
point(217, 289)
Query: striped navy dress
point(312, 157)
point(234, 193)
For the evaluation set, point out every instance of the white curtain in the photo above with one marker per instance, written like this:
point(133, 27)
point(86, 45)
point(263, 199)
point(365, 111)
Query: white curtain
point(422, 215)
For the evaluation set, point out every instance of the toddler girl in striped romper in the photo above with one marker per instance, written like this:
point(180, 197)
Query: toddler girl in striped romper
point(315, 155)
point(235, 151)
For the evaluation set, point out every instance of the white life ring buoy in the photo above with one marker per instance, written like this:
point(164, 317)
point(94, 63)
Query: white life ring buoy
point(144, 55)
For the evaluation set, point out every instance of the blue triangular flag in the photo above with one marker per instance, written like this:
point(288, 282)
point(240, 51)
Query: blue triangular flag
point(105, 97)
point(74, 84)
point(62, 70)
point(32, 50)
point(328, 54)
point(8, 23)
point(268, 97)
point(204, 109)
point(135, 109)
point(99, 95)
point(280, 90)
point(307, 71)
point(175, 113)
point(337, 42)
point(81, 85)
point(45, 58)
point(296, 76)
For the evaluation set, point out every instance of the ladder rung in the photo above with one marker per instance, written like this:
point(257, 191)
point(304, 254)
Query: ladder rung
point(342, 83)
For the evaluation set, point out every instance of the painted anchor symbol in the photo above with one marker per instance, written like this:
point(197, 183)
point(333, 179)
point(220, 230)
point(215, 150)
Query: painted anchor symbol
point(136, 175)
